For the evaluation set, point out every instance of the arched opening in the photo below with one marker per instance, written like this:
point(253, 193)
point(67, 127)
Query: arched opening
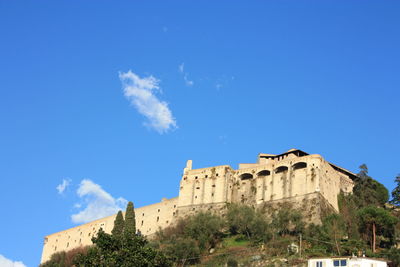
point(264, 173)
point(281, 169)
point(299, 165)
point(246, 176)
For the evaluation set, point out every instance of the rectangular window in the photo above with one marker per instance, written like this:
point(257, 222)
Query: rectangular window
point(319, 264)
point(340, 263)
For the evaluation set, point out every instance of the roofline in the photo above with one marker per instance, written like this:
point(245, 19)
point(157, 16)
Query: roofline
point(347, 257)
point(337, 168)
point(263, 155)
point(352, 175)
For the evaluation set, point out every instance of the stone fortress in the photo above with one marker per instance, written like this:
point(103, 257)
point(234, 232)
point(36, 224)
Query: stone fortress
point(306, 181)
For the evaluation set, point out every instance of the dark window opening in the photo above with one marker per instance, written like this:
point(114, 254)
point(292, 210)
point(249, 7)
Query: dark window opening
point(246, 176)
point(299, 165)
point(264, 173)
point(281, 169)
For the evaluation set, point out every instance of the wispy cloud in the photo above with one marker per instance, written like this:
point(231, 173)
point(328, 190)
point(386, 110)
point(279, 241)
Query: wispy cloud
point(61, 187)
point(4, 262)
point(141, 92)
point(187, 81)
point(223, 81)
point(96, 203)
point(181, 69)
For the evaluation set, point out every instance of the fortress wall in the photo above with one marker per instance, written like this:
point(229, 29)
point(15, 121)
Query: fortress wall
point(312, 205)
point(329, 183)
point(295, 181)
point(300, 180)
point(278, 180)
point(220, 185)
point(260, 184)
point(75, 237)
point(332, 182)
point(203, 186)
point(153, 216)
point(346, 184)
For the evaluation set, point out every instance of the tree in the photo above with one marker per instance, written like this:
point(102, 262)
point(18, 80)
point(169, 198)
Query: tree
point(64, 258)
point(375, 221)
point(347, 208)
point(368, 191)
point(239, 218)
point(396, 192)
point(363, 173)
point(130, 223)
point(333, 226)
point(247, 221)
point(183, 250)
point(119, 224)
point(125, 251)
point(287, 221)
point(205, 228)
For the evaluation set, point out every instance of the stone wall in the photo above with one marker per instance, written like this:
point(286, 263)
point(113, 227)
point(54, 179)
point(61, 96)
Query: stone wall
point(149, 219)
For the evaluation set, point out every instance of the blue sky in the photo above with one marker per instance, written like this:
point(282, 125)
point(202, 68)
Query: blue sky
point(114, 96)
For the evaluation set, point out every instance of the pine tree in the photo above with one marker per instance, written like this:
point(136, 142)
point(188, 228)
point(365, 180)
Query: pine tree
point(368, 191)
point(118, 225)
point(363, 173)
point(130, 223)
point(376, 221)
point(396, 192)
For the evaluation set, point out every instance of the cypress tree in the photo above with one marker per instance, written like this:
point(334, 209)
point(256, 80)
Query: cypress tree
point(130, 223)
point(118, 225)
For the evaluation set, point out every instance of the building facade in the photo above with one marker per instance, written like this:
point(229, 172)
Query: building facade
point(346, 262)
point(307, 182)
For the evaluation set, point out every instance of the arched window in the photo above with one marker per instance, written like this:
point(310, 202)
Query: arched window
point(281, 169)
point(264, 173)
point(246, 176)
point(299, 165)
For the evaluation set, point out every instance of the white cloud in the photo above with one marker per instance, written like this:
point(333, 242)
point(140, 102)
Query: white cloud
point(187, 81)
point(141, 93)
point(181, 69)
point(4, 262)
point(97, 203)
point(61, 187)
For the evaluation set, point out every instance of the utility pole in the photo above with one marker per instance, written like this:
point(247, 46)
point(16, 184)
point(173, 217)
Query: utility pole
point(300, 243)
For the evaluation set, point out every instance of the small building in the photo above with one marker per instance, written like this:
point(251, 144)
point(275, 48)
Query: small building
point(346, 262)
